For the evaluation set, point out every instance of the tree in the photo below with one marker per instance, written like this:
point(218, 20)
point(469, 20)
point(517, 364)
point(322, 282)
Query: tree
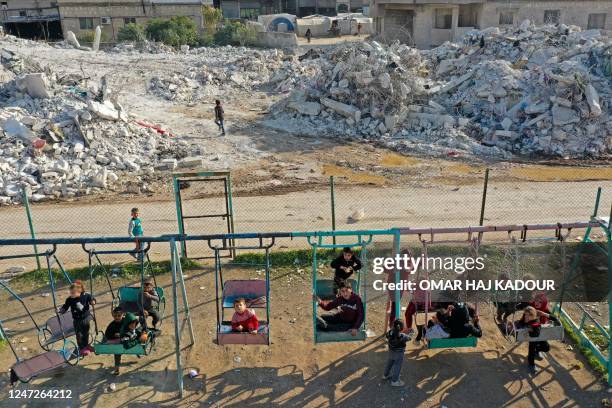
point(245, 34)
point(211, 16)
point(131, 32)
point(175, 31)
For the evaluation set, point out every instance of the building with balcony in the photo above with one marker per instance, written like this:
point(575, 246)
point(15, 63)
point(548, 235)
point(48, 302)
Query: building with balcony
point(34, 19)
point(426, 23)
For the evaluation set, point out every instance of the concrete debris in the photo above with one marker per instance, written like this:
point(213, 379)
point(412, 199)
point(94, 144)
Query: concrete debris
point(62, 141)
point(529, 90)
point(97, 37)
point(36, 85)
point(72, 40)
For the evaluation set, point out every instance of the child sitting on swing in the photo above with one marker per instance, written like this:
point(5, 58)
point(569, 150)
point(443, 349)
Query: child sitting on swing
point(112, 334)
point(78, 302)
point(344, 266)
point(130, 334)
point(436, 326)
point(244, 320)
point(149, 295)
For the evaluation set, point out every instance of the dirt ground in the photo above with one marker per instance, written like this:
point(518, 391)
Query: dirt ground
point(293, 371)
point(281, 184)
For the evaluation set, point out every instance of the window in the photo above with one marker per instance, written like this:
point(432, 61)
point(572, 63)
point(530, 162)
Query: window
point(597, 20)
point(468, 16)
point(23, 13)
point(506, 17)
point(249, 13)
point(129, 20)
point(86, 23)
point(552, 16)
point(444, 19)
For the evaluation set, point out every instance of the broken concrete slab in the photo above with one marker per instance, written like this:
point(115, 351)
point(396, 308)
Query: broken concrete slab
point(97, 36)
point(306, 108)
point(72, 40)
point(191, 162)
point(343, 109)
point(564, 116)
point(104, 110)
point(592, 98)
point(36, 85)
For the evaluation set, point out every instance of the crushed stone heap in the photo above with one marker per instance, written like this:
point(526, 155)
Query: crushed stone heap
point(60, 138)
point(527, 90)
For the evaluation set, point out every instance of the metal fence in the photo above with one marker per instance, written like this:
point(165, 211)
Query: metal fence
point(351, 208)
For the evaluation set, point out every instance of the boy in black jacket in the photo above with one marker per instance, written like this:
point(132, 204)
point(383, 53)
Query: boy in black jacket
point(113, 334)
point(459, 324)
point(78, 302)
point(344, 266)
point(350, 317)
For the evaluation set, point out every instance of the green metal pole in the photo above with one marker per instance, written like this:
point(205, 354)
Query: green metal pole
point(179, 212)
point(181, 277)
point(609, 238)
point(314, 292)
point(484, 197)
point(26, 204)
point(398, 293)
point(230, 207)
point(333, 204)
point(174, 258)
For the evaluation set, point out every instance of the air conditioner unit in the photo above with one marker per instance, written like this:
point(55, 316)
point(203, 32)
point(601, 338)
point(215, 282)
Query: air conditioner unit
point(105, 20)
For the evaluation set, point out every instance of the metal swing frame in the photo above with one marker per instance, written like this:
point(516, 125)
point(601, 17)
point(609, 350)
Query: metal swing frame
point(552, 331)
point(48, 333)
point(101, 347)
point(145, 266)
point(331, 336)
point(457, 342)
point(230, 291)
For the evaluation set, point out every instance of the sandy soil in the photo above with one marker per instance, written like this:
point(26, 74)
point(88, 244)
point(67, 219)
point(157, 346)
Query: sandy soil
point(294, 371)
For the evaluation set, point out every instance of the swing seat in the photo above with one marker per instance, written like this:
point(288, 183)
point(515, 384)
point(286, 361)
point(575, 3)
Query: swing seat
point(54, 331)
point(227, 336)
point(325, 288)
point(339, 336)
point(253, 290)
point(104, 348)
point(452, 343)
point(548, 332)
point(32, 367)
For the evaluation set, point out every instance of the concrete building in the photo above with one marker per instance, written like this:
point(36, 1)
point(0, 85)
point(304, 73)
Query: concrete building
point(251, 9)
point(35, 19)
point(82, 16)
point(427, 23)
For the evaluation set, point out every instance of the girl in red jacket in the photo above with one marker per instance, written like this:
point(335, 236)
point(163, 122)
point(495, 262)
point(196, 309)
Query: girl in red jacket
point(244, 320)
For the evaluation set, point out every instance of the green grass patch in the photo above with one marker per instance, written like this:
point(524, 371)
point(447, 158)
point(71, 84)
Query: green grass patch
point(588, 354)
point(40, 278)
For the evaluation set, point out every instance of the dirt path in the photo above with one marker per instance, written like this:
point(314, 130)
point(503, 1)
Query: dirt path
point(294, 372)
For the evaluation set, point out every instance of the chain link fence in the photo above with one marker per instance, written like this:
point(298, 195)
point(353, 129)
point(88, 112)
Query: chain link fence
point(354, 208)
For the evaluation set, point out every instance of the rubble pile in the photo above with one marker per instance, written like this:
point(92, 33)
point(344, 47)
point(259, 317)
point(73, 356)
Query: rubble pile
point(542, 90)
point(366, 85)
point(226, 71)
point(62, 141)
point(528, 90)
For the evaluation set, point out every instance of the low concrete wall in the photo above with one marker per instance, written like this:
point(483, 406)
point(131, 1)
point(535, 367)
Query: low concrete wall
point(277, 40)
